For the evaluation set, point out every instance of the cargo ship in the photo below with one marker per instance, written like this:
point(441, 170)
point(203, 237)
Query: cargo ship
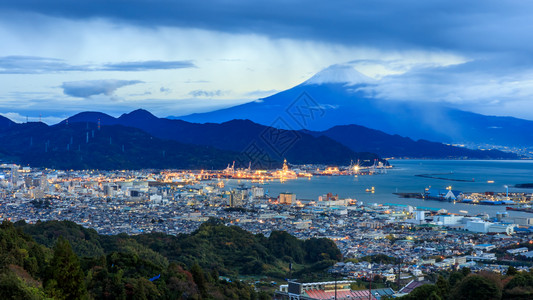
point(524, 209)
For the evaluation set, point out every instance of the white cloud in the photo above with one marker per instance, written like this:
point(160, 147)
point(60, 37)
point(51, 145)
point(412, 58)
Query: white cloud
point(18, 118)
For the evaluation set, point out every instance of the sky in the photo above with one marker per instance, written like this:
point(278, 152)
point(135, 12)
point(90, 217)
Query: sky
point(172, 57)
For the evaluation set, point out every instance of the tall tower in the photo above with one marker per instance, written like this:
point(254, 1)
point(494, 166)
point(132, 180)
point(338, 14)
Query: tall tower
point(285, 166)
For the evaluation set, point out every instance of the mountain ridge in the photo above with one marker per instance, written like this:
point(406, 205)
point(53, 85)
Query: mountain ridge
point(140, 140)
point(89, 146)
point(334, 102)
point(359, 138)
point(373, 141)
point(246, 137)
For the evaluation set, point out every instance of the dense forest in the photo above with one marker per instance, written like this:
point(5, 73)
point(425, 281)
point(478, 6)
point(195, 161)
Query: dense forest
point(63, 260)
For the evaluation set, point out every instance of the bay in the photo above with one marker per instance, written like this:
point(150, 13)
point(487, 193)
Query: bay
point(478, 176)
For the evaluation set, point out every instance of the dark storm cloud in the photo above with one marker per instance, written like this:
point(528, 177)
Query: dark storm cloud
point(467, 25)
point(42, 65)
point(454, 51)
point(87, 88)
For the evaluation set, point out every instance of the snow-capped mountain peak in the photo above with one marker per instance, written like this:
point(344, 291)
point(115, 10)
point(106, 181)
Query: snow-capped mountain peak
point(339, 73)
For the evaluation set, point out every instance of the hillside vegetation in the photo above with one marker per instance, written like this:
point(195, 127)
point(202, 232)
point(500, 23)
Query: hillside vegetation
point(63, 260)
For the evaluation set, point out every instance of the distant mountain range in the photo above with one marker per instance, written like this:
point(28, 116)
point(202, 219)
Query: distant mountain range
point(85, 146)
point(93, 140)
point(255, 143)
point(327, 146)
point(359, 138)
point(339, 95)
point(140, 140)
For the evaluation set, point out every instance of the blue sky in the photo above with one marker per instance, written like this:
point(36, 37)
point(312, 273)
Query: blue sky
point(58, 58)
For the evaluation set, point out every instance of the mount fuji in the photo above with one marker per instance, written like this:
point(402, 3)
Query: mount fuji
point(339, 95)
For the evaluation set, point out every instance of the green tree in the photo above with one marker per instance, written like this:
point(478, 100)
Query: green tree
point(511, 271)
point(264, 296)
point(321, 249)
point(476, 287)
point(283, 244)
point(443, 287)
point(65, 276)
point(144, 290)
point(520, 287)
point(424, 292)
point(434, 296)
point(199, 278)
point(455, 278)
point(465, 271)
point(12, 287)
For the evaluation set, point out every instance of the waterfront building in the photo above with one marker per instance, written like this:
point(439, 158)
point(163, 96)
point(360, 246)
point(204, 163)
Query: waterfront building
point(287, 198)
point(443, 194)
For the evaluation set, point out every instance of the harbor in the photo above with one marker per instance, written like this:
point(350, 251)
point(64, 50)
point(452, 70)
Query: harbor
point(483, 198)
point(489, 176)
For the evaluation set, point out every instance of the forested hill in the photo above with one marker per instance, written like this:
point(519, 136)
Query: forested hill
point(89, 146)
point(241, 136)
point(140, 140)
point(63, 260)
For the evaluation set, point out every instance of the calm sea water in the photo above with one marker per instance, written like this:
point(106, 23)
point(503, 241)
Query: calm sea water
point(402, 179)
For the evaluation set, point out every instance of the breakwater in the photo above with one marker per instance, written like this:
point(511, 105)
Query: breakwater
point(438, 176)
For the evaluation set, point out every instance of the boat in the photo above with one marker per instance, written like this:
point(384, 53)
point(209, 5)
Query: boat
point(524, 209)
